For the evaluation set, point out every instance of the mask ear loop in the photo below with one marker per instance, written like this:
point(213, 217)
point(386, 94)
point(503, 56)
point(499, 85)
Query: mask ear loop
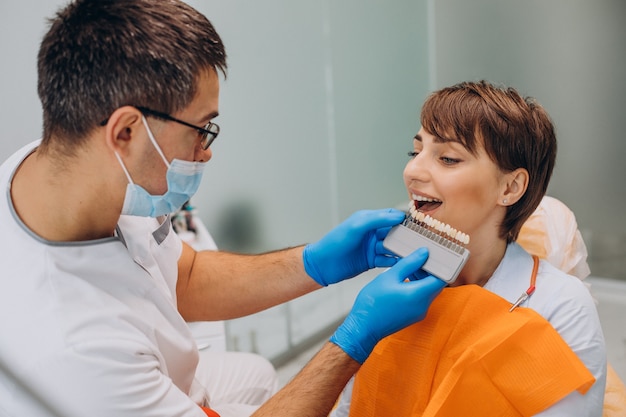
point(154, 142)
point(119, 159)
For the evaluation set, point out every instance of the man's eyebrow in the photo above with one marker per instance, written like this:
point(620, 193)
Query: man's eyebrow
point(210, 116)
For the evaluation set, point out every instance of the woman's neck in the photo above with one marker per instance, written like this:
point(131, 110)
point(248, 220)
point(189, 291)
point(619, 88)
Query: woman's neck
point(485, 257)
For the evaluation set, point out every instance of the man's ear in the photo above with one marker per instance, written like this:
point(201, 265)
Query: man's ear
point(514, 187)
point(122, 126)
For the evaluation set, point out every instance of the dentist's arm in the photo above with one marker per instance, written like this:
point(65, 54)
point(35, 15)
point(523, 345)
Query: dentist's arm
point(384, 306)
point(215, 285)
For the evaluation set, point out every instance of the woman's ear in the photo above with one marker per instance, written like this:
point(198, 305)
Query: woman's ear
point(514, 187)
point(123, 124)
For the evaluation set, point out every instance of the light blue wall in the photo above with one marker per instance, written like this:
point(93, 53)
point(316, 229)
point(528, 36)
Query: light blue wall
point(22, 25)
point(317, 112)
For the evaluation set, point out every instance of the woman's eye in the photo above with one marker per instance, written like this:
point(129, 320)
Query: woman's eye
point(449, 161)
point(412, 154)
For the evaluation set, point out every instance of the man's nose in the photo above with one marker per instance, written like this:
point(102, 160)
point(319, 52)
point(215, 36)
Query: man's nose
point(202, 155)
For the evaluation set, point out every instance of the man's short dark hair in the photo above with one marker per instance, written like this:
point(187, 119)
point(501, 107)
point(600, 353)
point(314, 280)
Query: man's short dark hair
point(99, 55)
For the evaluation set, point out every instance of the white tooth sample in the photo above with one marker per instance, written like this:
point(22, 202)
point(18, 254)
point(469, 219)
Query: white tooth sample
point(462, 238)
point(420, 216)
point(446, 229)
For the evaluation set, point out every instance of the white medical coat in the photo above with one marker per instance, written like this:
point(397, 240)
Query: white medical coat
point(92, 327)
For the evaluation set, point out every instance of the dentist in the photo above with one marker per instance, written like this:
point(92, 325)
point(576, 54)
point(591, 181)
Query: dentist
point(91, 266)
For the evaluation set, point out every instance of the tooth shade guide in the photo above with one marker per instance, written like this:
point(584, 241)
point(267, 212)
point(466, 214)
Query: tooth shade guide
point(446, 255)
point(435, 226)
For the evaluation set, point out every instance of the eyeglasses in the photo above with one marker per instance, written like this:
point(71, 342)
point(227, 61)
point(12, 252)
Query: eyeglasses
point(208, 133)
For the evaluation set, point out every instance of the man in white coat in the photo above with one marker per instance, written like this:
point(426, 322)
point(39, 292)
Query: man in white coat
point(96, 289)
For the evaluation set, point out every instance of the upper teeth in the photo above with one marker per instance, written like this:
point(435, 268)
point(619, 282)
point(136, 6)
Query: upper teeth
point(437, 225)
point(422, 198)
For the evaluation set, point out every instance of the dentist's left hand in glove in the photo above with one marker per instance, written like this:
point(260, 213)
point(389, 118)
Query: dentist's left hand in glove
point(352, 247)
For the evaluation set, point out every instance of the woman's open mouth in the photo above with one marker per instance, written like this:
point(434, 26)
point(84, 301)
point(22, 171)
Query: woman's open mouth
point(426, 204)
point(418, 212)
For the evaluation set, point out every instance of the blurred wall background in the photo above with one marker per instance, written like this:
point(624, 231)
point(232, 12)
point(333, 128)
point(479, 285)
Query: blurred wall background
point(322, 100)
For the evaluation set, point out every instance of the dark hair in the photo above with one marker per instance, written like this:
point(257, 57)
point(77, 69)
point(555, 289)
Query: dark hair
point(99, 55)
point(516, 131)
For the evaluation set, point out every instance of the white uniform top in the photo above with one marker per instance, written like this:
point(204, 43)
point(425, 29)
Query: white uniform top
point(92, 327)
point(566, 303)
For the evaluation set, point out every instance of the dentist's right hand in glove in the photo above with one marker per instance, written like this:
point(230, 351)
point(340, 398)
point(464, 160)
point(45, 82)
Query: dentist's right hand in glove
point(387, 304)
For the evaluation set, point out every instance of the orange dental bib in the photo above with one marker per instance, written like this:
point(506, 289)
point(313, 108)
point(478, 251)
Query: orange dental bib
point(470, 356)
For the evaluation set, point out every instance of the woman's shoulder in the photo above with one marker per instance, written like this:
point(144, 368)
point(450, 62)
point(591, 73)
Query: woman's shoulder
point(560, 290)
point(557, 295)
point(567, 303)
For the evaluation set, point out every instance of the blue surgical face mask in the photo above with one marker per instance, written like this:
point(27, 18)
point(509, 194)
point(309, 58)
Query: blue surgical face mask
point(183, 179)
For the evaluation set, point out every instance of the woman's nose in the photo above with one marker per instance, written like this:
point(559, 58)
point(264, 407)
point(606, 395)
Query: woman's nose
point(417, 169)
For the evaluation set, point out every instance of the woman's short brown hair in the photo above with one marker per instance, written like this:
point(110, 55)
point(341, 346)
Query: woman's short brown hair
point(516, 132)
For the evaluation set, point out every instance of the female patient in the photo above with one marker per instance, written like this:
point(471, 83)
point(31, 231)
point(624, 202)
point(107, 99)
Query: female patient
point(481, 163)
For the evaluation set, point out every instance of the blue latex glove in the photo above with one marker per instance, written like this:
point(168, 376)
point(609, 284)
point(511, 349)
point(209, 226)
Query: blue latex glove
point(387, 304)
point(353, 247)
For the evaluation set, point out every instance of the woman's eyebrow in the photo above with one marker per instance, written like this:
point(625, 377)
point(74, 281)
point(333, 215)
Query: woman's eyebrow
point(436, 139)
